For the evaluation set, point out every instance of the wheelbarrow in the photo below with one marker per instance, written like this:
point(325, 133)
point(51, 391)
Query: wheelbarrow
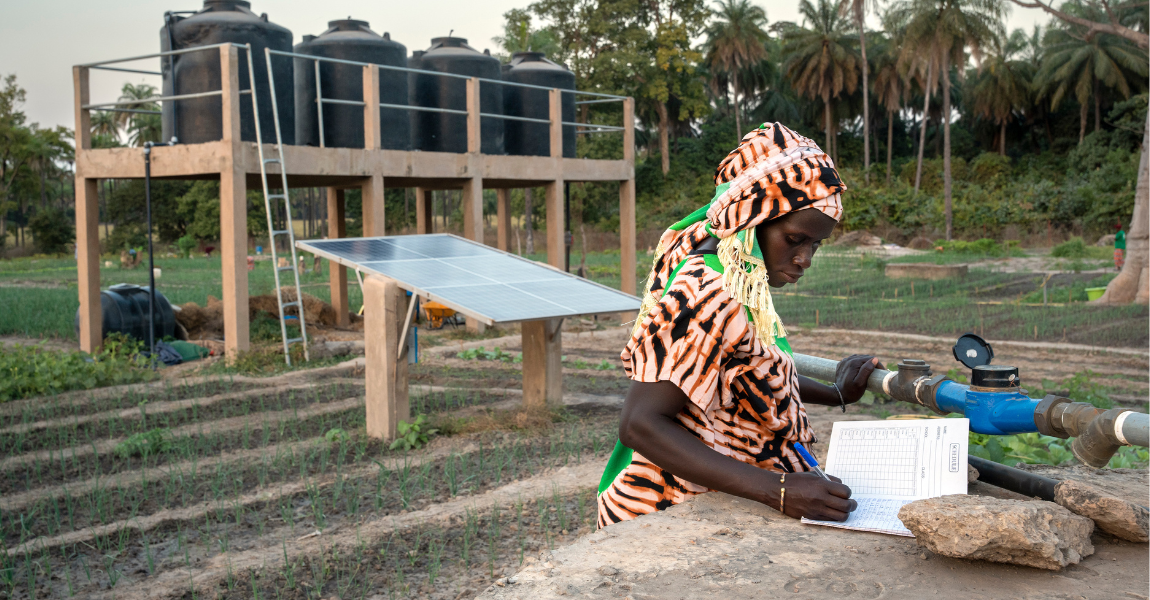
point(436, 313)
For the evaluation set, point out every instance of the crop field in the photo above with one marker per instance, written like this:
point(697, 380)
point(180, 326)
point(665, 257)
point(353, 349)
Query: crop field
point(242, 488)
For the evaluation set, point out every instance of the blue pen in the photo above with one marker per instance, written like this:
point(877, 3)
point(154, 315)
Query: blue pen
point(810, 460)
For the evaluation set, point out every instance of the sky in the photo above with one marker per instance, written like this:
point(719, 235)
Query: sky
point(40, 41)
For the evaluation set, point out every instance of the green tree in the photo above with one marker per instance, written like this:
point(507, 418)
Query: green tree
point(140, 127)
point(946, 28)
point(1002, 88)
point(891, 89)
point(14, 138)
point(857, 10)
point(820, 59)
point(52, 230)
point(1077, 64)
point(519, 36)
point(736, 46)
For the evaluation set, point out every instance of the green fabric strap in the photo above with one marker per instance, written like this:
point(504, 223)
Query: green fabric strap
point(621, 456)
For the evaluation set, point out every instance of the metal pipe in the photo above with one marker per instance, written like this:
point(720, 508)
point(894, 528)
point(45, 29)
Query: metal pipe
point(159, 54)
point(318, 102)
point(1015, 480)
point(450, 111)
point(128, 70)
point(153, 99)
point(512, 118)
point(130, 110)
point(824, 369)
point(1134, 427)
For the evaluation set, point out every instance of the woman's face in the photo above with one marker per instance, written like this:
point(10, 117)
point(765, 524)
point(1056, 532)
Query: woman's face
point(789, 243)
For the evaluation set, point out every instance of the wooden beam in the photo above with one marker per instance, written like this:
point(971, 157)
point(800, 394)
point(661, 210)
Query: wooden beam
point(555, 99)
point(374, 208)
point(88, 264)
point(474, 139)
point(473, 209)
point(233, 212)
point(337, 274)
point(503, 219)
point(556, 226)
point(387, 403)
point(371, 125)
point(82, 96)
point(424, 216)
point(542, 366)
point(627, 238)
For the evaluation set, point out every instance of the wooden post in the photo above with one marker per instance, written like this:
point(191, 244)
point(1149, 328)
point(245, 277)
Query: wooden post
point(87, 225)
point(385, 308)
point(374, 208)
point(371, 125)
point(423, 212)
point(233, 212)
point(542, 366)
point(503, 219)
point(474, 138)
point(337, 274)
point(627, 239)
point(473, 209)
point(556, 219)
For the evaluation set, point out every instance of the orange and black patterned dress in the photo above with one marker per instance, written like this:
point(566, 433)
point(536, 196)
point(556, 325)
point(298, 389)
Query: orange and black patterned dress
point(744, 400)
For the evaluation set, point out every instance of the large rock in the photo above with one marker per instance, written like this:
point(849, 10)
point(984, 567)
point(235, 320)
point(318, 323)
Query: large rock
point(858, 238)
point(1034, 533)
point(1118, 517)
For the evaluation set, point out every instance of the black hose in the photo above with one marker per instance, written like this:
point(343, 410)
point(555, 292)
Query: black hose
point(1015, 480)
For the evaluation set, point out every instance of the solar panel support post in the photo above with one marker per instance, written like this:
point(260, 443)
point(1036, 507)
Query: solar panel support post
point(337, 274)
point(542, 366)
point(385, 305)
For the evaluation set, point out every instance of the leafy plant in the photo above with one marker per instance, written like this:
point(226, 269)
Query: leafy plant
point(413, 435)
point(145, 443)
point(33, 371)
point(186, 245)
point(496, 353)
point(1034, 448)
point(336, 435)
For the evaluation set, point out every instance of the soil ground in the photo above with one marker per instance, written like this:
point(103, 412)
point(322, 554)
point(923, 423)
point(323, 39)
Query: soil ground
point(268, 487)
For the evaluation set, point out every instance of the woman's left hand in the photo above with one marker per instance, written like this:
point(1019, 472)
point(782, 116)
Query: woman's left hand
point(852, 374)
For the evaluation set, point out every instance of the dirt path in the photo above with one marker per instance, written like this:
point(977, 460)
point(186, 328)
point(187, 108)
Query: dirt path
point(281, 544)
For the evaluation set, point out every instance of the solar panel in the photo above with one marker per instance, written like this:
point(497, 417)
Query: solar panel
point(476, 280)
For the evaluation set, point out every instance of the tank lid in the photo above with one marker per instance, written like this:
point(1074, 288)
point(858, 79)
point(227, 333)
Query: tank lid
point(348, 24)
point(450, 42)
point(228, 5)
point(533, 60)
point(307, 38)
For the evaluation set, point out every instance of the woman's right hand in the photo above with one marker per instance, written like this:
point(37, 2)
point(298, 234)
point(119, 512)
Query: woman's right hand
point(813, 497)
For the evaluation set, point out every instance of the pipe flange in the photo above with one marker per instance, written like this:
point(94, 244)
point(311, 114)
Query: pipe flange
point(1044, 419)
point(925, 390)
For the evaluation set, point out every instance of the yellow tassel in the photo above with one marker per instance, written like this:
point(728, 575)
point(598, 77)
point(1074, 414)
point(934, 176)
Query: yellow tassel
point(750, 288)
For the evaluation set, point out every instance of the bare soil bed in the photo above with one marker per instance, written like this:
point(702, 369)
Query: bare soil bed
point(270, 488)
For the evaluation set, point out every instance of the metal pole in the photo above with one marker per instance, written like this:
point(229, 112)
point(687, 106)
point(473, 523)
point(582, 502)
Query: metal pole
point(151, 261)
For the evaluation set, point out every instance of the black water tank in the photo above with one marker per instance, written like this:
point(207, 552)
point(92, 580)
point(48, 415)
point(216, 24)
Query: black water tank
point(414, 116)
point(348, 39)
point(200, 120)
point(125, 310)
point(534, 139)
point(442, 132)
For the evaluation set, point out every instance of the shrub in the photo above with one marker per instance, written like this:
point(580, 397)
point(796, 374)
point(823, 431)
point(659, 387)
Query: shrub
point(34, 371)
point(187, 244)
point(145, 443)
point(413, 435)
point(52, 230)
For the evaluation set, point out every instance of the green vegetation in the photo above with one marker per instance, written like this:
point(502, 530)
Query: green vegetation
point(34, 371)
point(144, 444)
point(1076, 248)
point(496, 353)
point(1034, 448)
point(410, 436)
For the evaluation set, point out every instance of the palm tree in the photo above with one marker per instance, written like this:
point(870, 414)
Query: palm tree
point(141, 127)
point(821, 62)
point(1079, 64)
point(857, 9)
point(945, 29)
point(891, 89)
point(1003, 86)
point(736, 45)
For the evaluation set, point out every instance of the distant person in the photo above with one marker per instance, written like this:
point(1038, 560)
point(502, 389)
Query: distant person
point(715, 401)
point(1119, 247)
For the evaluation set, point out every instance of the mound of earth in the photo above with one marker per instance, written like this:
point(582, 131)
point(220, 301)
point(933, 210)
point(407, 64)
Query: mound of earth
point(858, 238)
point(207, 322)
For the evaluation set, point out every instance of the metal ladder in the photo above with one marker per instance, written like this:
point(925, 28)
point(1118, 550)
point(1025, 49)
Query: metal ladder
point(274, 233)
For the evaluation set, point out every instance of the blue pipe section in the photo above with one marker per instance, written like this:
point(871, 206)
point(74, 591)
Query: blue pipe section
point(993, 413)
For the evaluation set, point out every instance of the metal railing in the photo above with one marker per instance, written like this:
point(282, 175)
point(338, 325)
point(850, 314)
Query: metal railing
point(114, 106)
point(581, 128)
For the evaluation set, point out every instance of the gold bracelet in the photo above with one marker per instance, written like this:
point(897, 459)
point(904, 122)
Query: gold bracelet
point(782, 500)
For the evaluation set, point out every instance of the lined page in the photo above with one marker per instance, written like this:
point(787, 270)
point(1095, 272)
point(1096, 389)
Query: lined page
point(888, 464)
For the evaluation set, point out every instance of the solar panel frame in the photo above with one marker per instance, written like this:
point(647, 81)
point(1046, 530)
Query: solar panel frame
point(479, 270)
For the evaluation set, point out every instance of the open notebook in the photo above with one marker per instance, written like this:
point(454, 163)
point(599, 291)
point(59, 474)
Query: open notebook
point(888, 464)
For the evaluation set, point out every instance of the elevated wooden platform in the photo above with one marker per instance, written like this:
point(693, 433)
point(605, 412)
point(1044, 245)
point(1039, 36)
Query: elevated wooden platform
point(236, 165)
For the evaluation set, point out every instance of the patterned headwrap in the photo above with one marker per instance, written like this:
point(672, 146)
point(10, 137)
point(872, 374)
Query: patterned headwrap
point(773, 172)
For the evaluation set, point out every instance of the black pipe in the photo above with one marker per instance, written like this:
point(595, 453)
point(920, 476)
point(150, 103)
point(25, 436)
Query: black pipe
point(1015, 480)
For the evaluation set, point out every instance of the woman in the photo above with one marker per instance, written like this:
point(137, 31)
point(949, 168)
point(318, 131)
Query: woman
point(715, 399)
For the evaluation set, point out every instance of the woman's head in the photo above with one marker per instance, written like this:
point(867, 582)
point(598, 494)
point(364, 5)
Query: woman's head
point(788, 243)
